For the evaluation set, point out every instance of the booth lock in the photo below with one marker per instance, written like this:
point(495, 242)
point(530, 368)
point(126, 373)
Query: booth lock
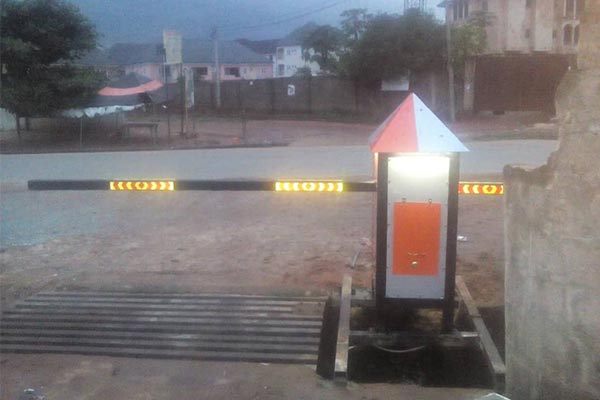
point(415, 263)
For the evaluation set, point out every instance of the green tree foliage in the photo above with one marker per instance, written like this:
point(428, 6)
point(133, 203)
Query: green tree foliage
point(354, 22)
point(321, 46)
point(395, 45)
point(468, 40)
point(39, 40)
point(300, 34)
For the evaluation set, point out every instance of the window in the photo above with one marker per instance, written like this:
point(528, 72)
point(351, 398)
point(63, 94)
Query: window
point(232, 71)
point(527, 33)
point(280, 53)
point(263, 71)
point(280, 70)
point(567, 35)
point(528, 3)
point(455, 11)
point(576, 36)
point(199, 72)
point(466, 9)
point(484, 6)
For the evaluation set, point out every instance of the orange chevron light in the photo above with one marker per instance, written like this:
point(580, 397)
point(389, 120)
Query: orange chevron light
point(489, 188)
point(309, 186)
point(141, 186)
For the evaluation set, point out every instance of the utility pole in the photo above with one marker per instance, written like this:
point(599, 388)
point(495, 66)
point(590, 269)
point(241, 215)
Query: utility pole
point(182, 91)
point(217, 78)
point(166, 81)
point(450, 69)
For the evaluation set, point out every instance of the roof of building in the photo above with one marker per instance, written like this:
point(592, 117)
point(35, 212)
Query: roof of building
point(411, 128)
point(260, 46)
point(194, 51)
point(95, 57)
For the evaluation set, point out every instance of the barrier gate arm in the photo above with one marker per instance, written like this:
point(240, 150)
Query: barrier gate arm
point(290, 185)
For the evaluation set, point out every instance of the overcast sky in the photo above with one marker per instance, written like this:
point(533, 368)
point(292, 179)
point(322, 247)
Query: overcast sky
point(144, 20)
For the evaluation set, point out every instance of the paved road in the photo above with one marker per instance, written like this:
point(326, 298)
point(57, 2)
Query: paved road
point(28, 218)
point(283, 162)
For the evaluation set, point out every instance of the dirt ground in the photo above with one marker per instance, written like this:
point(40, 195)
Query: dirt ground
point(259, 243)
point(105, 134)
point(289, 243)
point(102, 378)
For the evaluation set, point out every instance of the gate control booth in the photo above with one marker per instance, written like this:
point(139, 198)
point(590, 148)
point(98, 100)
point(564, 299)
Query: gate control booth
point(417, 167)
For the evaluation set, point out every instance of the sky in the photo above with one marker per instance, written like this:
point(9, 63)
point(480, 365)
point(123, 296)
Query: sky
point(144, 20)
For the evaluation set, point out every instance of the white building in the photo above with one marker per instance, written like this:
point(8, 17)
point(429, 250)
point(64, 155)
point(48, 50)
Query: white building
point(289, 59)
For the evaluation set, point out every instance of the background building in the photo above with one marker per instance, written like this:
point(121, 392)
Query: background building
point(523, 26)
point(530, 45)
point(236, 61)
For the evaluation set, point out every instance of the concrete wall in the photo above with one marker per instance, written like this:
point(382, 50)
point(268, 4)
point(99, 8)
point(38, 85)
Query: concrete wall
point(516, 24)
point(553, 250)
point(7, 120)
point(543, 25)
point(320, 95)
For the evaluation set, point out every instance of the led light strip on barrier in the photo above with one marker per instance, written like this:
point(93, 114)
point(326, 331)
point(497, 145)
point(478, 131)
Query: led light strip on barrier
point(309, 186)
point(489, 188)
point(142, 185)
point(316, 186)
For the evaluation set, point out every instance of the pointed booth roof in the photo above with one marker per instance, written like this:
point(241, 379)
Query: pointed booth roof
point(414, 128)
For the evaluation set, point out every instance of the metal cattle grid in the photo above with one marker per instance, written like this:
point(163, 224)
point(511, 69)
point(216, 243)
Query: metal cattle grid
point(167, 326)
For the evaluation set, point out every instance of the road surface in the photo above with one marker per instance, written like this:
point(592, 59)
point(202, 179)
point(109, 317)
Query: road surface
point(29, 218)
point(277, 162)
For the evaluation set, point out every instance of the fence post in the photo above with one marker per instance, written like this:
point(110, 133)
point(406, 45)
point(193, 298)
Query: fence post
point(240, 94)
point(272, 85)
point(310, 93)
point(355, 84)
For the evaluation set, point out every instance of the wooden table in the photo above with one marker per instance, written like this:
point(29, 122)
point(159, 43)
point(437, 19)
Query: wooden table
point(153, 126)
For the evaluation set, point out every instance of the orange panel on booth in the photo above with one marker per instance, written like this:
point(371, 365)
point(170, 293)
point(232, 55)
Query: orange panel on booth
point(416, 238)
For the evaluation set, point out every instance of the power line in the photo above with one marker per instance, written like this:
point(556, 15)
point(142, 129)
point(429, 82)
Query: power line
point(280, 16)
point(280, 21)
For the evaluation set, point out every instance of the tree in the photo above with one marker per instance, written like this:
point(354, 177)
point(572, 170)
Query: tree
point(395, 45)
point(354, 23)
point(39, 41)
point(300, 34)
point(321, 46)
point(468, 40)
